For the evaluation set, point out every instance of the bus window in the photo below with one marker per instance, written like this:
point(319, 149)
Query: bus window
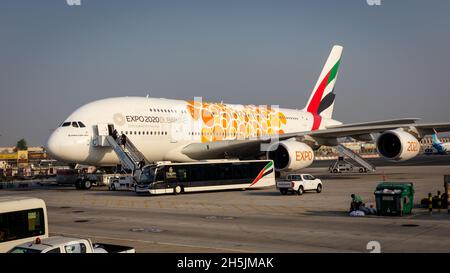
point(21, 220)
point(160, 174)
point(21, 224)
point(225, 171)
point(240, 171)
point(211, 172)
point(198, 173)
point(148, 175)
point(182, 174)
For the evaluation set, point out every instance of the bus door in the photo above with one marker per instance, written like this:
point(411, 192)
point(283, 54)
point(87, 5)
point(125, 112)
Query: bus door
point(170, 177)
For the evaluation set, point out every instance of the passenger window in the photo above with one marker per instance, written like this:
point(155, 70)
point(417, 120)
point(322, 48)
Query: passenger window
point(65, 124)
point(74, 124)
point(81, 124)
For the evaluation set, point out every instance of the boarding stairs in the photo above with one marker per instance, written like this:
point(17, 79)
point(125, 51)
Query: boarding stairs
point(129, 156)
point(355, 157)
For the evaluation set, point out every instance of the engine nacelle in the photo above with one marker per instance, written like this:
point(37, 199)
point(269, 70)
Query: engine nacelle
point(290, 155)
point(398, 145)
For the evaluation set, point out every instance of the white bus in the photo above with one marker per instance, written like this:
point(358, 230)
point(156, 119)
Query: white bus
point(205, 176)
point(22, 219)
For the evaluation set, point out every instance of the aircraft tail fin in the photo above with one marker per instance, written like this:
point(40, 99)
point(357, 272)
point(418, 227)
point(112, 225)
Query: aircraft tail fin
point(435, 138)
point(321, 101)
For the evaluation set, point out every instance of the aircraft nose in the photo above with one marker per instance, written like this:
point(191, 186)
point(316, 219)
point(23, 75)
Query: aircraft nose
point(54, 146)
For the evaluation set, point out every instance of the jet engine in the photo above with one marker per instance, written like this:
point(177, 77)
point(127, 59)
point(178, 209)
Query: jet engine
point(398, 145)
point(290, 155)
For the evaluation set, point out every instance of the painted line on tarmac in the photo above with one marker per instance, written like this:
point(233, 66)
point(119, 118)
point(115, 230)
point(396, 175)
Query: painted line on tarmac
point(150, 242)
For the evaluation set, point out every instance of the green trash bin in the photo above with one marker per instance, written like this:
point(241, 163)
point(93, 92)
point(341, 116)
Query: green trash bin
point(394, 198)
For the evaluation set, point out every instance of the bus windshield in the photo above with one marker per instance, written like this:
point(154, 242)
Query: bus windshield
point(147, 175)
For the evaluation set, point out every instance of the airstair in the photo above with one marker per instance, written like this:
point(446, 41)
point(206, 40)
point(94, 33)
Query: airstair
point(355, 157)
point(129, 155)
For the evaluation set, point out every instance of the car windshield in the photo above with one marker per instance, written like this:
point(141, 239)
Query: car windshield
point(148, 175)
point(24, 250)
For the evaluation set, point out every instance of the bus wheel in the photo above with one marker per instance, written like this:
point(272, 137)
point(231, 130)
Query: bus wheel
point(87, 184)
point(177, 189)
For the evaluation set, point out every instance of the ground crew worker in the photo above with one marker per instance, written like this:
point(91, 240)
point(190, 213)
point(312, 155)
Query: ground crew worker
point(430, 203)
point(356, 202)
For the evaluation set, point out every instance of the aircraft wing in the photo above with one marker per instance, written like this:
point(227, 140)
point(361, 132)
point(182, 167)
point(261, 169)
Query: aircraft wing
point(251, 147)
point(379, 122)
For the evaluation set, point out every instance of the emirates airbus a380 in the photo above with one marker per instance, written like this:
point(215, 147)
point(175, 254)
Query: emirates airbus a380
point(183, 131)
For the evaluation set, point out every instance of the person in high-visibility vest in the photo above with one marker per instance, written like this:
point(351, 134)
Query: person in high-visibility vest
point(356, 202)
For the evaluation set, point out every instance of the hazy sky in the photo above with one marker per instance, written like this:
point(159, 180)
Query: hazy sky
point(55, 58)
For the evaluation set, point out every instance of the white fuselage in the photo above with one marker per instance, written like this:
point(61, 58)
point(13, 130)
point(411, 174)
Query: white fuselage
point(160, 128)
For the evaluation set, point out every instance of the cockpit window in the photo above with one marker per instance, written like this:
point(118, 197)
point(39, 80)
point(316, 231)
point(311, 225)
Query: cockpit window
point(81, 124)
point(65, 124)
point(74, 124)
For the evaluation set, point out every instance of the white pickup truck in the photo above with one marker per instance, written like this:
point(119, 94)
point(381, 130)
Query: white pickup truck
point(299, 183)
point(60, 244)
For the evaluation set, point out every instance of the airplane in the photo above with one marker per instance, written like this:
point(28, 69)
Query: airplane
point(191, 130)
point(437, 146)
